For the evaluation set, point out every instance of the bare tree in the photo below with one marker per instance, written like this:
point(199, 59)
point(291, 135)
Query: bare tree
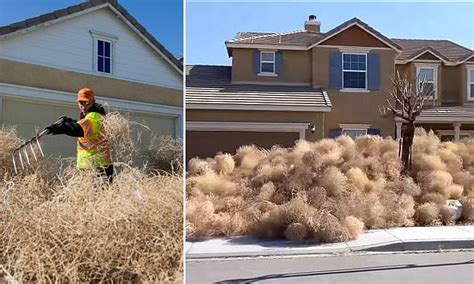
point(409, 98)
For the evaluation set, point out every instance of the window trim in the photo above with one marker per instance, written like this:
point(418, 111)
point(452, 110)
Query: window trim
point(96, 36)
point(469, 83)
point(360, 71)
point(262, 73)
point(434, 67)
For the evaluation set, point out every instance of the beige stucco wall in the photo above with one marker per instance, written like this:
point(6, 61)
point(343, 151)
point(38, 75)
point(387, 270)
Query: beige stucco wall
point(315, 118)
point(195, 140)
point(356, 108)
point(207, 143)
point(452, 82)
point(296, 68)
point(13, 72)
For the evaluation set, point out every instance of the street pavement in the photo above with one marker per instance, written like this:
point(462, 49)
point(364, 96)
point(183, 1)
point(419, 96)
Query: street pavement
point(453, 267)
point(443, 254)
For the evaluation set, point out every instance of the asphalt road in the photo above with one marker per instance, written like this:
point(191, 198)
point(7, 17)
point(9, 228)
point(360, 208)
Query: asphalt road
point(405, 268)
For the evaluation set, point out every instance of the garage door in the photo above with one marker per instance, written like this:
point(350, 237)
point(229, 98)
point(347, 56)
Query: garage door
point(30, 116)
point(208, 143)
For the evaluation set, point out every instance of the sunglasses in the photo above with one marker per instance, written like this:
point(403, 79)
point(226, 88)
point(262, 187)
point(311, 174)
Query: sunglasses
point(85, 103)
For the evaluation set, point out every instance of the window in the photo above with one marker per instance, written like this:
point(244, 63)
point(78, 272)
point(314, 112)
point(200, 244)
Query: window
point(104, 56)
point(267, 62)
point(354, 71)
point(103, 52)
point(354, 133)
point(470, 82)
point(427, 75)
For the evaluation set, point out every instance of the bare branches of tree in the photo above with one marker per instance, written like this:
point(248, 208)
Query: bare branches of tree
point(407, 102)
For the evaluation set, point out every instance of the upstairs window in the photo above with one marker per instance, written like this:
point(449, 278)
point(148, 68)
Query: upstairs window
point(470, 82)
point(104, 56)
point(354, 71)
point(267, 62)
point(427, 75)
point(103, 52)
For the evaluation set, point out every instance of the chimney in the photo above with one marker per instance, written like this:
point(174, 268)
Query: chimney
point(312, 25)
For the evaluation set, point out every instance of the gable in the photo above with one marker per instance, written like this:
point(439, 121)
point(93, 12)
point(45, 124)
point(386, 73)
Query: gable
point(354, 36)
point(68, 45)
point(471, 60)
point(427, 56)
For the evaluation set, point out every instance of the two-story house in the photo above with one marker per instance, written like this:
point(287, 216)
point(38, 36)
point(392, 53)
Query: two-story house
point(45, 60)
point(310, 84)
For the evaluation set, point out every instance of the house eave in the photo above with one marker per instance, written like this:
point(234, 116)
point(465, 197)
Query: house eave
point(256, 107)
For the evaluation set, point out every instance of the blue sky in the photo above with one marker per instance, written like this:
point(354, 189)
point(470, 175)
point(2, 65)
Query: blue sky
point(163, 18)
point(210, 24)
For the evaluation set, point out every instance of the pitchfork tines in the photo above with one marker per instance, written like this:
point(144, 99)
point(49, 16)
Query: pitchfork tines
point(28, 146)
point(26, 150)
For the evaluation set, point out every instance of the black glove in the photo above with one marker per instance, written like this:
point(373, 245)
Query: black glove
point(67, 119)
point(53, 129)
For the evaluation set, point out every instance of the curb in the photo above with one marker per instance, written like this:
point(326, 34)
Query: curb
point(388, 247)
point(383, 240)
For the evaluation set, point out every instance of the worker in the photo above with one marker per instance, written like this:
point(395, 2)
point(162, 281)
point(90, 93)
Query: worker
point(93, 150)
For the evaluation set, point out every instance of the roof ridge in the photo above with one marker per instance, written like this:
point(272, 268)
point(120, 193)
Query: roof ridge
point(267, 35)
point(421, 39)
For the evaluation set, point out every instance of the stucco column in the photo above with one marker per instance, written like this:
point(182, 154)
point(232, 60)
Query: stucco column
point(399, 129)
point(457, 130)
point(302, 133)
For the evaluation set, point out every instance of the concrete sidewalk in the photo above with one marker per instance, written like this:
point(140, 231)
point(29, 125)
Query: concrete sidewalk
point(396, 239)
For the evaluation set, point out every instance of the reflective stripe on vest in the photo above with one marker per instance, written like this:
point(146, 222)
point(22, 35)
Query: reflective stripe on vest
point(92, 150)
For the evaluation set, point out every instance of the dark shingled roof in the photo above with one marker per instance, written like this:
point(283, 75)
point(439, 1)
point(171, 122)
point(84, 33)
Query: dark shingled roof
point(464, 113)
point(297, 38)
point(211, 85)
point(445, 49)
point(303, 38)
point(84, 6)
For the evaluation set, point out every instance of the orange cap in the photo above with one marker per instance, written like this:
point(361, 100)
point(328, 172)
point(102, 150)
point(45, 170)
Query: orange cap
point(85, 95)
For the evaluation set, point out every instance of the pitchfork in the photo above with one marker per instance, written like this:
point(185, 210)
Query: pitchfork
point(22, 150)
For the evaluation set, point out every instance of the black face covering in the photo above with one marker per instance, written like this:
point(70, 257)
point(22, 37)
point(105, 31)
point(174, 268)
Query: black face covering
point(96, 107)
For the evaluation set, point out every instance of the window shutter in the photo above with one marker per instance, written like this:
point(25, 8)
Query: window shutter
point(278, 62)
point(373, 70)
point(335, 70)
point(256, 62)
point(335, 132)
point(374, 131)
